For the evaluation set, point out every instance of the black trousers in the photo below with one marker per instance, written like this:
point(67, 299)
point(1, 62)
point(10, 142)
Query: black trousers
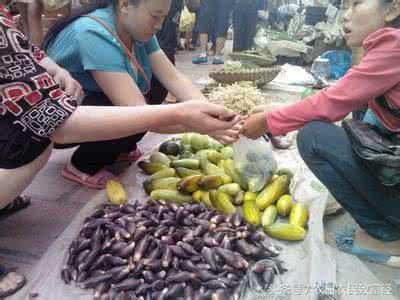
point(244, 25)
point(91, 157)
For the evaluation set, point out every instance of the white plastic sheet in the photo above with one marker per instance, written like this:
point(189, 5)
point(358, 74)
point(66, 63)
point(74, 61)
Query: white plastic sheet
point(309, 262)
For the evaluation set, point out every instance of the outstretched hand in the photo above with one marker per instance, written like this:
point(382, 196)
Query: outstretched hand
point(229, 136)
point(208, 118)
point(254, 126)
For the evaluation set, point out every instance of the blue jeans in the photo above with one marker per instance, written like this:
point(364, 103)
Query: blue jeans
point(327, 151)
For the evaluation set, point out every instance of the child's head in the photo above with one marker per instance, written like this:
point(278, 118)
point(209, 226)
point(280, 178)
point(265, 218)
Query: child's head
point(364, 17)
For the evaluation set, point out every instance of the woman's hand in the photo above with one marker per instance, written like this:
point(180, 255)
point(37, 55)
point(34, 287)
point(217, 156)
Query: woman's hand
point(205, 118)
point(229, 136)
point(67, 82)
point(255, 126)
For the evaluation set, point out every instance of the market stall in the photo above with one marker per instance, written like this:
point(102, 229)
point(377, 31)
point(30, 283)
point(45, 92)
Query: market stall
point(313, 267)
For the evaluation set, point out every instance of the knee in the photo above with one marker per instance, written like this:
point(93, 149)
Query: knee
point(307, 138)
point(5, 200)
point(44, 157)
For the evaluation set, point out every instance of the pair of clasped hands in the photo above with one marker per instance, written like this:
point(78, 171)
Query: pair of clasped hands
point(200, 116)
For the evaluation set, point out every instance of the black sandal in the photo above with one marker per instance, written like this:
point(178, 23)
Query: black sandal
point(10, 282)
point(17, 204)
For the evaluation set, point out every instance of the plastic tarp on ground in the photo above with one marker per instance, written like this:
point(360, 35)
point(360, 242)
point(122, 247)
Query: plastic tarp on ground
point(309, 262)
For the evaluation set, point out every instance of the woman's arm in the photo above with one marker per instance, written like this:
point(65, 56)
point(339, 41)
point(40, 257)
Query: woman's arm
point(173, 80)
point(93, 123)
point(119, 87)
point(377, 74)
point(172, 129)
point(122, 90)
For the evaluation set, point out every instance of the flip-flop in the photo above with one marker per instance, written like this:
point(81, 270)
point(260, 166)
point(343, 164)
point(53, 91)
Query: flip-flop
point(17, 204)
point(10, 277)
point(344, 240)
point(131, 156)
point(91, 181)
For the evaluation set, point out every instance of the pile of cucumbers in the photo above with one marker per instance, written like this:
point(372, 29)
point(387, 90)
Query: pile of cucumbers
point(198, 169)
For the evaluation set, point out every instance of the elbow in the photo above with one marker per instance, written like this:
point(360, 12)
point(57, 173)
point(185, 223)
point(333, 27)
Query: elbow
point(57, 139)
point(60, 137)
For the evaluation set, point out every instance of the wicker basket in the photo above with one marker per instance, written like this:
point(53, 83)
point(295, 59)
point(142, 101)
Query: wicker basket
point(258, 75)
point(254, 57)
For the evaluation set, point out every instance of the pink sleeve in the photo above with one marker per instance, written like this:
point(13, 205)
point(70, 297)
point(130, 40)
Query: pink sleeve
point(377, 73)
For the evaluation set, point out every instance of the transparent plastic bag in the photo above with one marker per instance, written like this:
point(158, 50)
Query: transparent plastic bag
point(254, 161)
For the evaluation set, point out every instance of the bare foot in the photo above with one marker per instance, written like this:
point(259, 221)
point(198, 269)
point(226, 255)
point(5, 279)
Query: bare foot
point(364, 240)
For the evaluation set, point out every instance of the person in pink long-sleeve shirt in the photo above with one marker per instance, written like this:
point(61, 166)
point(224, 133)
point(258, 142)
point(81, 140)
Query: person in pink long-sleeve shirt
point(378, 74)
point(325, 147)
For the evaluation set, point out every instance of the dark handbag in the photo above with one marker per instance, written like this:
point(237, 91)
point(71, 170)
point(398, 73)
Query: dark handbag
point(379, 152)
point(193, 5)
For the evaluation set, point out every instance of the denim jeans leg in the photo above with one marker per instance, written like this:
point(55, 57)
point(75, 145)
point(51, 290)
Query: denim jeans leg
point(327, 151)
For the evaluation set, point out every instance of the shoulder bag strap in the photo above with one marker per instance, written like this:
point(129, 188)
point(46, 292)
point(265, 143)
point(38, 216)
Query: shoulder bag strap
point(383, 103)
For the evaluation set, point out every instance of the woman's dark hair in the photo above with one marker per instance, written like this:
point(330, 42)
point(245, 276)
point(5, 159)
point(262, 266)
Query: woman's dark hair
point(60, 24)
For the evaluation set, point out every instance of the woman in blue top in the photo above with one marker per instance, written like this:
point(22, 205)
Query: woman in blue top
point(95, 56)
